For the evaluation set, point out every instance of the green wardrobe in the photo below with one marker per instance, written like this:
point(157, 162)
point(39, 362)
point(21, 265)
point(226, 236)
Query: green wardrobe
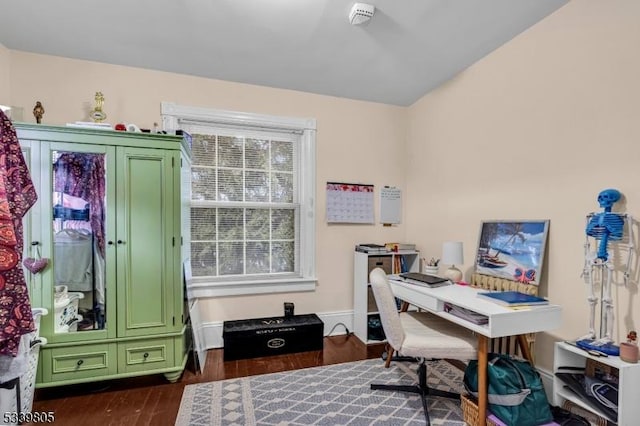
point(112, 221)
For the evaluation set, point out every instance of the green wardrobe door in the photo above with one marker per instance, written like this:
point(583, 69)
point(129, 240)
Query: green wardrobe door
point(32, 246)
point(145, 241)
point(99, 284)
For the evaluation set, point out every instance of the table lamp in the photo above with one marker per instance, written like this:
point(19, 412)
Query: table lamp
point(452, 255)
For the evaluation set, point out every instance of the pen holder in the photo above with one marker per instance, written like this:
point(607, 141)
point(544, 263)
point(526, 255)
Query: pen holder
point(430, 270)
point(629, 352)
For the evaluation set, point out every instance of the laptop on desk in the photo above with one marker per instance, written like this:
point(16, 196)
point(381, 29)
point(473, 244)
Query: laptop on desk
point(424, 279)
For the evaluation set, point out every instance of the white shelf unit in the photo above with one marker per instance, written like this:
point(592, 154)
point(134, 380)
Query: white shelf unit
point(629, 383)
point(364, 304)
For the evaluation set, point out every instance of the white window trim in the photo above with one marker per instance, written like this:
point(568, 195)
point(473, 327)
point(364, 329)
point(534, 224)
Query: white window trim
point(172, 114)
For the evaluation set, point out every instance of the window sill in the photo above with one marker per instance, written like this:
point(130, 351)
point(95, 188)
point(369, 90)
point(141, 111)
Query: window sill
point(218, 289)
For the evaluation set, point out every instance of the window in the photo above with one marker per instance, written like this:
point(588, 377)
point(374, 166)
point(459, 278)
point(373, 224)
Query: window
point(252, 201)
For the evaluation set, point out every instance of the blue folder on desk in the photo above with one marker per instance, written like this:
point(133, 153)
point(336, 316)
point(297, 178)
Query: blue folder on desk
point(513, 298)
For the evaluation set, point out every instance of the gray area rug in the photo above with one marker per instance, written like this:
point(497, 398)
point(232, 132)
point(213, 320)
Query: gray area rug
point(336, 394)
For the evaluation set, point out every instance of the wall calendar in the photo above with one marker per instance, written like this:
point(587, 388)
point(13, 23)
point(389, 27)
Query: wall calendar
point(350, 203)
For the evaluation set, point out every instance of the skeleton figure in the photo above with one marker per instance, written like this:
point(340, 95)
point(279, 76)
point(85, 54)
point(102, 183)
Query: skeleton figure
point(606, 225)
point(605, 228)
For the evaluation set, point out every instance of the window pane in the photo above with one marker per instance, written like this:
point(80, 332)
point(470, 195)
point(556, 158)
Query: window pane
point(230, 185)
point(203, 184)
point(282, 256)
point(257, 224)
point(231, 258)
point(230, 168)
point(203, 259)
point(283, 224)
point(203, 224)
point(282, 156)
point(282, 188)
point(230, 224)
point(257, 258)
point(257, 154)
point(203, 150)
point(257, 186)
point(230, 151)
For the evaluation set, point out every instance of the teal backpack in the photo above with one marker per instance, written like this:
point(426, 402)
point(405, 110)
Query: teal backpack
point(516, 393)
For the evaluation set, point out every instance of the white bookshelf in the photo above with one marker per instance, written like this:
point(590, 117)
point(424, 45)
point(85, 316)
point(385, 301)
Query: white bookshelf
point(364, 304)
point(628, 387)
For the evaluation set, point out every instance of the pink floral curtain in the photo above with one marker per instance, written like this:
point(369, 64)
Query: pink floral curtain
point(17, 195)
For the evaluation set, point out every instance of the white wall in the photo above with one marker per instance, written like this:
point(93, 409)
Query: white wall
point(357, 141)
point(5, 85)
point(534, 131)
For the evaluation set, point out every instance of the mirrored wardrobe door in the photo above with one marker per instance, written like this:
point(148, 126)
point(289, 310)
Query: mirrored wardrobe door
point(79, 227)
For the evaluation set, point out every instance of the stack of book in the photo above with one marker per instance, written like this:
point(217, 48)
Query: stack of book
point(395, 247)
point(371, 248)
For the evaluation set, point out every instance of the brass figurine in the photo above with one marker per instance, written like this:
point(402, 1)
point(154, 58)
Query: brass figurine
point(38, 112)
point(97, 114)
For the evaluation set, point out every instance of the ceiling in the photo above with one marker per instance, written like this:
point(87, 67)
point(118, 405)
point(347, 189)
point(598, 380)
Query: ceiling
point(408, 48)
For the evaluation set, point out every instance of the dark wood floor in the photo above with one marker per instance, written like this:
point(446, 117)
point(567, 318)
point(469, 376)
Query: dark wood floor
point(151, 400)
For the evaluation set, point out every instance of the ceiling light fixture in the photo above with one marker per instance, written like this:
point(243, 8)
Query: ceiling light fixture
point(361, 13)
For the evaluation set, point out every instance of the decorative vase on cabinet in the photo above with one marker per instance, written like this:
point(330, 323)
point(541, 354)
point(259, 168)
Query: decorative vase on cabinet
point(109, 219)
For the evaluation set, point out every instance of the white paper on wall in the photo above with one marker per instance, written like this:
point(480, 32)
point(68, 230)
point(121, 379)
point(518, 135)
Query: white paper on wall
point(390, 205)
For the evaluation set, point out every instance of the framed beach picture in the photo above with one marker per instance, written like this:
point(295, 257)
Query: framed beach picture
point(512, 249)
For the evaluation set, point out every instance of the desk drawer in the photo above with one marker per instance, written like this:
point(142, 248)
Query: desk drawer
point(417, 298)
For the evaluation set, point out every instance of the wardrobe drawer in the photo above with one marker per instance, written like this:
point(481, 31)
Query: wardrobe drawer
point(145, 355)
point(78, 362)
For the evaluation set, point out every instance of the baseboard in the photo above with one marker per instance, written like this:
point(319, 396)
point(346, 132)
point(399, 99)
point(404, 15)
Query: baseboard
point(333, 325)
point(547, 382)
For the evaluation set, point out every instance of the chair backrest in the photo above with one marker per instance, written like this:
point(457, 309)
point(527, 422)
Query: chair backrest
point(387, 308)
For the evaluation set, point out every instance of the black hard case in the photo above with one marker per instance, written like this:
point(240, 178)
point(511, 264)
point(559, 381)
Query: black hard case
point(259, 337)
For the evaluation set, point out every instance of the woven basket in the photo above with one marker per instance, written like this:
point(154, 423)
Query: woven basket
point(592, 418)
point(470, 411)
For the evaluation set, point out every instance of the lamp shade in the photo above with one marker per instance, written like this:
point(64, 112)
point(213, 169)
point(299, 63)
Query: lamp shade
point(452, 253)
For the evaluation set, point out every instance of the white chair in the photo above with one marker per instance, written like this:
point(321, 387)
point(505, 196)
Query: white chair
point(419, 335)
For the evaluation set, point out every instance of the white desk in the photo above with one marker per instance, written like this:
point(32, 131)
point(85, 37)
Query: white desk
point(503, 321)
